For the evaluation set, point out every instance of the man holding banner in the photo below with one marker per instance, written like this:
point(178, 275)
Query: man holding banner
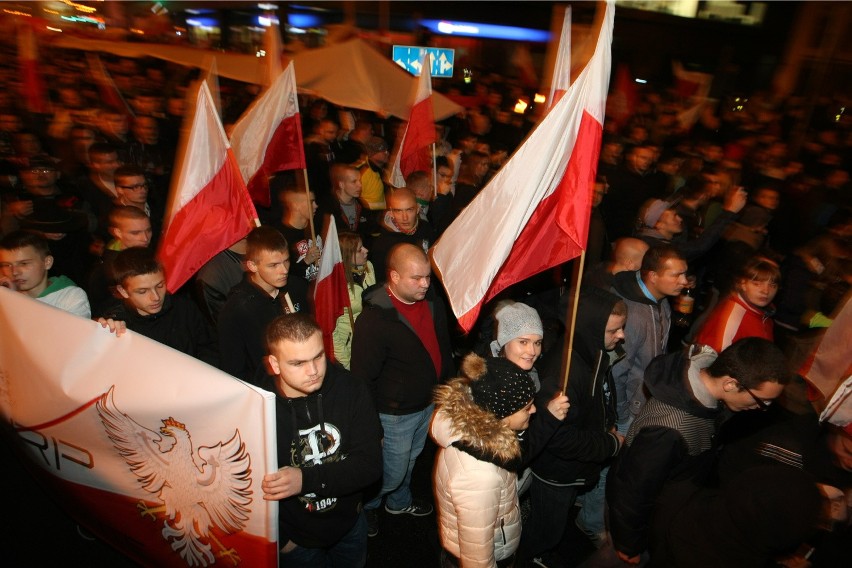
point(329, 449)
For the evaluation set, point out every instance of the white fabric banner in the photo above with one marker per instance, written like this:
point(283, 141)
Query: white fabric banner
point(153, 451)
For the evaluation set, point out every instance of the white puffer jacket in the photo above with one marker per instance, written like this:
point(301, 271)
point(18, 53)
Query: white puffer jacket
point(479, 519)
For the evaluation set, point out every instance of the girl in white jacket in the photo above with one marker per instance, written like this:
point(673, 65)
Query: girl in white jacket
point(477, 418)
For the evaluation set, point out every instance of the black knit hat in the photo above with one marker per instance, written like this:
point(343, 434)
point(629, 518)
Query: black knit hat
point(498, 385)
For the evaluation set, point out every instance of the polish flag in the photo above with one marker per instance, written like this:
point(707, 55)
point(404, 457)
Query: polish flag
point(534, 213)
point(109, 92)
point(622, 101)
point(413, 152)
point(268, 137)
point(330, 294)
point(209, 207)
point(33, 89)
point(828, 370)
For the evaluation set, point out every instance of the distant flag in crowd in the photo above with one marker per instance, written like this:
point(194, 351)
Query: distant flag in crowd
point(209, 207)
point(693, 86)
point(107, 88)
point(828, 370)
point(211, 77)
point(622, 100)
point(268, 137)
point(534, 213)
point(413, 152)
point(691, 83)
point(272, 47)
point(33, 88)
point(330, 295)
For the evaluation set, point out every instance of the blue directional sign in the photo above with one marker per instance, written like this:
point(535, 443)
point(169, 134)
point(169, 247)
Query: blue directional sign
point(410, 58)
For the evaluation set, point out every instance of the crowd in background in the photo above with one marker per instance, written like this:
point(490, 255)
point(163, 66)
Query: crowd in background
point(755, 210)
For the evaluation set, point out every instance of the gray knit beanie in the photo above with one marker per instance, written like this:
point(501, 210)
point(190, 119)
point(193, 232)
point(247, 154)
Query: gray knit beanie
point(514, 320)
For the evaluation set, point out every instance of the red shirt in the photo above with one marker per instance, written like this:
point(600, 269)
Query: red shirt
point(419, 317)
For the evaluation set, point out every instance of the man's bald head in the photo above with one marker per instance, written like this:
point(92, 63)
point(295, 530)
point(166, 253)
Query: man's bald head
point(404, 210)
point(401, 196)
point(404, 253)
point(628, 254)
point(409, 272)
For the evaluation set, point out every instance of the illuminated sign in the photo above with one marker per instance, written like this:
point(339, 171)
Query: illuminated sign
point(410, 58)
point(493, 31)
point(304, 20)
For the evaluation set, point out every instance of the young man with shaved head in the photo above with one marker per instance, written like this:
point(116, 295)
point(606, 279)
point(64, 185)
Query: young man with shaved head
point(627, 256)
point(401, 224)
point(401, 349)
point(329, 449)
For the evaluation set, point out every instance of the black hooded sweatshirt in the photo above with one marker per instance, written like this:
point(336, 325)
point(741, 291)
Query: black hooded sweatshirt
point(583, 443)
point(333, 435)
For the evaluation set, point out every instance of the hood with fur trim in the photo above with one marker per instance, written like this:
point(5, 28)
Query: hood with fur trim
point(461, 423)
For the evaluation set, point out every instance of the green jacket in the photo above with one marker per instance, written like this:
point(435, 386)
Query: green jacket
point(343, 329)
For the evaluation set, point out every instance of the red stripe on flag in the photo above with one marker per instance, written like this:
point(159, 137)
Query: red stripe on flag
point(212, 221)
point(284, 152)
point(558, 229)
point(117, 520)
point(419, 136)
point(330, 299)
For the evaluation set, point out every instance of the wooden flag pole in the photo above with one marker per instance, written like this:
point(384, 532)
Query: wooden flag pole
point(310, 208)
point(434, 173)
point(568, 348)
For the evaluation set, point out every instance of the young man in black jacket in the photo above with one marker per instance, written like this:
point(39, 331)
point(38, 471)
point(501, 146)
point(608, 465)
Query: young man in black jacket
point(572, 460)
point(265, 293)
point(674, 436)
point(329, 449)
point(148, 309)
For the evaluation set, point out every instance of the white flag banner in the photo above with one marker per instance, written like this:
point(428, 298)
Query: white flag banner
point(153, 451)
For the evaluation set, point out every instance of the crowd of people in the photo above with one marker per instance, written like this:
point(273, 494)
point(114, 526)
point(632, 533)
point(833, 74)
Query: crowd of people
point(716, 256)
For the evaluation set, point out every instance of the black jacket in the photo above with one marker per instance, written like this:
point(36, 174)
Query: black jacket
point(673, 438)
point(179, 324)
point(334, 436)
point(583, 443)
point(382, 244)
point(391, 359)
point(242, 325)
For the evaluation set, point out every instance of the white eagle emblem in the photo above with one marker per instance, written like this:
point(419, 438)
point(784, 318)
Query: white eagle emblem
point(196, 492)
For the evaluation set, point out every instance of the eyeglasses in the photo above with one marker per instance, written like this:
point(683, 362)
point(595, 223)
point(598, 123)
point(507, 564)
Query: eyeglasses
point(136, 187)
point(762, 404)
point(41, 170)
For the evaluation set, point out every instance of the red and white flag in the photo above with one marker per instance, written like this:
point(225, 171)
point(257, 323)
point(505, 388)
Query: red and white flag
point(828, 370)
point(694, 87)
point(413, 153)
point(330, 295)
point(622, 101)
point(561, 79)
point(209, 207)
point(268, 137)
point(33, 89)
point(534, 213)
point(163, 460)
point(110, 95)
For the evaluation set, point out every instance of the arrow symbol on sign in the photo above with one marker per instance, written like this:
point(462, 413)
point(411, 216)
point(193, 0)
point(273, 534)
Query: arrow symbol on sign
point(444, 63)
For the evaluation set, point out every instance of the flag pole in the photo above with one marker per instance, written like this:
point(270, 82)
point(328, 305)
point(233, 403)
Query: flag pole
point(585, 55)
point(310, 209)
point(576, 275)
point(434, 173)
